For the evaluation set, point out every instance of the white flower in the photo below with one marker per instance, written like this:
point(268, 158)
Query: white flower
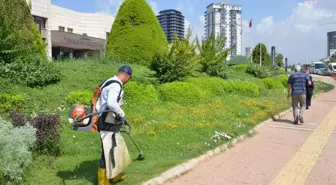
point(74, 136)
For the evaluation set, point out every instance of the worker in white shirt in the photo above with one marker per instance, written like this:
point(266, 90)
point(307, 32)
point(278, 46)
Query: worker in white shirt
point(115, 157)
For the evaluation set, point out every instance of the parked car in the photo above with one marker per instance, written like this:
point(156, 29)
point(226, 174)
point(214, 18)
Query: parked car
point(324, 72)
point(316, 67)
point(332, 68)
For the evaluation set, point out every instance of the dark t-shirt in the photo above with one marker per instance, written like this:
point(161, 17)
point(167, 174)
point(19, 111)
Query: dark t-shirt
point(298, 81)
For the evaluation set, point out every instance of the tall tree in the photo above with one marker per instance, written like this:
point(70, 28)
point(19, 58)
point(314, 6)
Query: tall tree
point(265, 57)
point(279, 60)
point(19, 35)
point(213, 51)
point(136, 34)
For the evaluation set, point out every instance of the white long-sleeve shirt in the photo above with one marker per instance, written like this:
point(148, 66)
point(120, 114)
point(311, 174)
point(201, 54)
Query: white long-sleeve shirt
point(108, 98)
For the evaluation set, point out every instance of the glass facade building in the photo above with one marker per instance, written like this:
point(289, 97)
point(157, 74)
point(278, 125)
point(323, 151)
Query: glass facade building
point(172, 21)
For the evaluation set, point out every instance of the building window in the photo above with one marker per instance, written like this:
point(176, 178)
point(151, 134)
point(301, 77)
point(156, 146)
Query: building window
point(40, 22)
point(85, 34)
point(70, 30)
point(61, 28)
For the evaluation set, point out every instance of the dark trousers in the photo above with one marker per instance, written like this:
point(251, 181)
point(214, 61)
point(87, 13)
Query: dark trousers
point(308, 99)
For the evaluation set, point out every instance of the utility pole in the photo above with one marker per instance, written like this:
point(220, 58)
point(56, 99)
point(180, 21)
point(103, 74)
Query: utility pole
point(260, 52)
point(273, 55)
point(286, 64)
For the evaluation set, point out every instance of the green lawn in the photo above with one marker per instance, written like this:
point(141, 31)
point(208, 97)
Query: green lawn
point(169, 133)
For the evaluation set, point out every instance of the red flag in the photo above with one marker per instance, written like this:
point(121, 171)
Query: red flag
point(250, 24)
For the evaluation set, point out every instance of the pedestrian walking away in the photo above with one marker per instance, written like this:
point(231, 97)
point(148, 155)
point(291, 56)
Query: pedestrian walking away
point(297, 90)
point(310, 90)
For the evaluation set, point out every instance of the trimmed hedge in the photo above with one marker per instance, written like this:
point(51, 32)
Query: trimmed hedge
point(10, 102)
point(283, 79)
point(136, 34)
point(243, 88)
point(181, 91)
point(213, 85)
point(139, 93)
point(272, 83)
point(240, 67)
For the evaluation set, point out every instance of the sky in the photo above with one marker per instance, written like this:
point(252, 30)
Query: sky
point(296, 28)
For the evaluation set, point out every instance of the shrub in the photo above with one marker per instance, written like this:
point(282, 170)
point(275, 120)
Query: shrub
point(219, 70)
point(280, 71)
point(15, 154)
point(181, 91)
point(177, 63)
point(240, 67)
point(78, 97)
point(19, 35)
point(17, 119)
point(48, 133)
point(10, 102)
point(136, 34)
point(31, 71)
point(243, 88)
point(212, 52)
point(140, 93)
point(213, 85)
point(283, 80)
point(272, 83)
point(259, 71)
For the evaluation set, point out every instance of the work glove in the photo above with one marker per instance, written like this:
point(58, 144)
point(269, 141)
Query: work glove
point(123, 122)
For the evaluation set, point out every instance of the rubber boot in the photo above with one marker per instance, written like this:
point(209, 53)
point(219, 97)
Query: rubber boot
point(102, 179)
point(118, 178)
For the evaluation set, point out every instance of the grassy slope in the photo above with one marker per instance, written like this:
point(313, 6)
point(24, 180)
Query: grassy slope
point(168, 133)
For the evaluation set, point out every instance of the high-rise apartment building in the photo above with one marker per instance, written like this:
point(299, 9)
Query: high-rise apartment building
point(248, 51)
point(172, 21)
point(331, 43)
point(225, 19)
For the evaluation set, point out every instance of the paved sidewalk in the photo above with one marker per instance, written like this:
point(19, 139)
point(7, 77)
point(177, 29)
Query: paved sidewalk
point(280, 152)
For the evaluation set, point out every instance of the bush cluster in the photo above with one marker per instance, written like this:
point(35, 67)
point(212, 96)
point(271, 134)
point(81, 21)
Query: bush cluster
point(272, 83)
point(213, 85)
point(178, 62)
point(283, 79)
point(15, 150)
point(259, 71)
point(181, 91)
point(31, 71)
point(219, 70)
point(240, 67)
point(201, 88)
point(9, 102)
point(140, 93)
point(48, 133)
point(48, 130)
point(243, 88)
point(77, 97)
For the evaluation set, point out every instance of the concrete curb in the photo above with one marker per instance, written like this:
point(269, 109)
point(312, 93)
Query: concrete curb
point(189, 165)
